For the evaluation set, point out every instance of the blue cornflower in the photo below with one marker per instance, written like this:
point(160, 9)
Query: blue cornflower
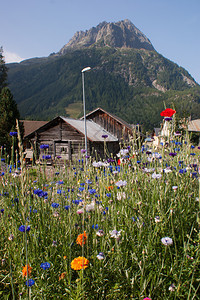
point(30, 282)
point(22, 228)
point(55, 205)
point(46, 156)
point(67, 207)
point(60, 182)
point(108, 194)
point(76, 201)
point(194, 175)
point(45, 265)
point(95, 226)
point(44, 146)
point(13, 133)
point(182, 171)
point(92, 191)
point(40, 193)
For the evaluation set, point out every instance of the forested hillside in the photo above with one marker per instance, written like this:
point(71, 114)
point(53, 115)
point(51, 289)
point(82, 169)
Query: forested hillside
point(132, 83)
point(121, 81)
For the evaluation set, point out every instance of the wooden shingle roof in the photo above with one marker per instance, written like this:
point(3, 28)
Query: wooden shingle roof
point(30, 126)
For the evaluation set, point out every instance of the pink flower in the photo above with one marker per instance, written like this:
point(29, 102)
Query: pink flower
point(80, 211)
point(147, 298)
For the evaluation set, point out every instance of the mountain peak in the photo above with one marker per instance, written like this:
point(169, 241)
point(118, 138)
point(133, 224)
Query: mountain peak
point(121, 34)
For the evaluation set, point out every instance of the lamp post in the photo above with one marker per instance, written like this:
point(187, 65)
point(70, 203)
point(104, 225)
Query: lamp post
point(83, 71)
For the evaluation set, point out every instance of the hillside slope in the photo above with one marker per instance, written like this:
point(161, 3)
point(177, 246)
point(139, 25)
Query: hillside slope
point(129, 82)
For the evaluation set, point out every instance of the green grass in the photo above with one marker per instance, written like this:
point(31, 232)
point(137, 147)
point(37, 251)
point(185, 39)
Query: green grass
point(137, 264)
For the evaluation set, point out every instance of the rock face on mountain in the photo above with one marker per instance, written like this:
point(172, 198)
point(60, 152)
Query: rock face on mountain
point(122, 34)
point(129, 78)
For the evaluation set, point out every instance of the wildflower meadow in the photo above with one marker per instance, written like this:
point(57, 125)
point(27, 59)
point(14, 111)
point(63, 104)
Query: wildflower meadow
point(124, 227)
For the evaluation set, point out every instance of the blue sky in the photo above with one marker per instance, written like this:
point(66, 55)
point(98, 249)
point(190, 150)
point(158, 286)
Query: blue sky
point(36, 28)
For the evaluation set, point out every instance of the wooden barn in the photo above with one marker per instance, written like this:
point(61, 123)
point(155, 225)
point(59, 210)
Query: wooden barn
point(115, 125)
point(65, 139)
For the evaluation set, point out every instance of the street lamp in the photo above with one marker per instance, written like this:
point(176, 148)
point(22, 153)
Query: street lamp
point(83, 71)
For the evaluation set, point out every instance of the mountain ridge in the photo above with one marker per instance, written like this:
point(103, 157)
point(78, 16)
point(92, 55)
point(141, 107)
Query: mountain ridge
point(132, 83)
point(118, 34)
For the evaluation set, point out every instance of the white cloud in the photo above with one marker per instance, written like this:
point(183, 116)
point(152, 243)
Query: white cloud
point(11, 57)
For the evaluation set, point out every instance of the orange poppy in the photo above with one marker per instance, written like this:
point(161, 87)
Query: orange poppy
point(79, 263)
point(24, 271)
point(109, 187)
point(81, 239)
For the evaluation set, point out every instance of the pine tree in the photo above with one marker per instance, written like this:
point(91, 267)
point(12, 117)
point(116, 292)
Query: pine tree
point(3, 70)
point(8, 115)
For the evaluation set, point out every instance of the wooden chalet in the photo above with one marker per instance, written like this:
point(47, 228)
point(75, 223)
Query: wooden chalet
point(65, 138)
point(115, 125)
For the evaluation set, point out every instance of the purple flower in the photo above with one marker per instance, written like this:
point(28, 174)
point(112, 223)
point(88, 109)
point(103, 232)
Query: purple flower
point(172, 154)
point(110, 160)
point(22, 228)
point(104, 136)
point(168, 119)
point(45, 265)
point(83, 150)
point(101, 256)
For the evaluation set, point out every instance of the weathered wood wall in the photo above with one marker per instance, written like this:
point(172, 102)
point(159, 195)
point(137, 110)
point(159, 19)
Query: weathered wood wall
point(111, 125)
point(66, 142)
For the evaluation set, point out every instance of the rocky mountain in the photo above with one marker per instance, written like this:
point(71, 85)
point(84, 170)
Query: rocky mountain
point(122, 34)
point(128, 78)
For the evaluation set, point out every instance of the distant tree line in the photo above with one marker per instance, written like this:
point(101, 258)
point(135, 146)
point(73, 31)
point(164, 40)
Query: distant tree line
point(9, 112)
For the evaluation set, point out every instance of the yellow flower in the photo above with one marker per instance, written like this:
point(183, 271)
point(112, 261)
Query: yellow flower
point(79, 263)
point(81, 239)
point(24, 271)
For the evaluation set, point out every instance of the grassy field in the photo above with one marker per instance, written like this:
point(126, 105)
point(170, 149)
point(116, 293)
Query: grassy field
point(105, 230)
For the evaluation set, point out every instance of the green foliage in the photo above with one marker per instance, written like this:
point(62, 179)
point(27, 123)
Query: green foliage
point(8, 115)
point(3, 70)
point(121, 81)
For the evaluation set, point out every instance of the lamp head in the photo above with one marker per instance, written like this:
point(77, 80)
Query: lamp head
point(86, 69)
